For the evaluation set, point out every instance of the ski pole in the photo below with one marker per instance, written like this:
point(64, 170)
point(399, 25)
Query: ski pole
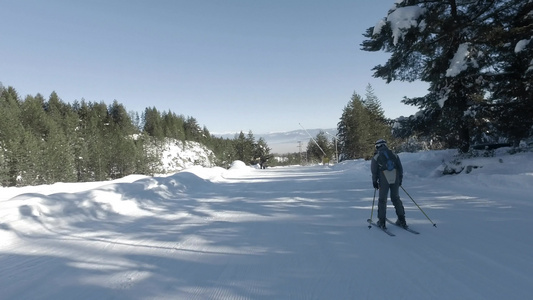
point(434, 225)
point(372, 211)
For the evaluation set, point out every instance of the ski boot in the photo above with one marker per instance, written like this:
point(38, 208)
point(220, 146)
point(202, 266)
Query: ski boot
point(401, 222)
point(381, 223)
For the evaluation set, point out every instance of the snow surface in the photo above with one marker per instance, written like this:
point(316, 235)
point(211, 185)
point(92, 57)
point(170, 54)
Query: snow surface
point(280, 233)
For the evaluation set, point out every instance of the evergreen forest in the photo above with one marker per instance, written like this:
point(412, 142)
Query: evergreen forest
point(45, 140)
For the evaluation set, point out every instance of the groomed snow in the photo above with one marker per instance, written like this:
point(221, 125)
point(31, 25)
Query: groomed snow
point(281, 233)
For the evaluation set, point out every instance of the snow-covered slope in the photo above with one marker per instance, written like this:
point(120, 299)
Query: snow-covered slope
point(177, 155)
point(279, 233)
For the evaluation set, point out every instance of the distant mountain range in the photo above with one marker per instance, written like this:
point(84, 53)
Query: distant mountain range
point(286, 142)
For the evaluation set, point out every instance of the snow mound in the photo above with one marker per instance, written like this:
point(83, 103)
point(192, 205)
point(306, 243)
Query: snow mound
point(238, 165)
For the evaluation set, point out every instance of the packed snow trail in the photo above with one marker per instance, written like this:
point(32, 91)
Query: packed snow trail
point(279, 233)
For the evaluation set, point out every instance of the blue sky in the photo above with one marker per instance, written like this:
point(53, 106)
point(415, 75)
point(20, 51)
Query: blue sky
point(234, 65)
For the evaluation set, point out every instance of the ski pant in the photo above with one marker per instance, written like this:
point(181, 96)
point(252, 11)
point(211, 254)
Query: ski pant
point(384, 188)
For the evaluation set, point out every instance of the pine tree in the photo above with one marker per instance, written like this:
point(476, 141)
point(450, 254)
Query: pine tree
point(59, 154)
point(511, 86)
point(372, 103)
point(82, 137)
point(173, 126)
point(262, 152)
point(354, 130)
point(153, 123)
point(241, 147)
point(380, 126)
point(11, 134)
point(244, 147)
point(464, 50)
point(99, 142)
point(224, 150)
point(193, 132)
point(320, 149)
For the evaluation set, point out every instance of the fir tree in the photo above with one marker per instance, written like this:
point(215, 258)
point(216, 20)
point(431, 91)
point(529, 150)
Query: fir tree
point(464, 49)
point(354, 129)
point(320, 149)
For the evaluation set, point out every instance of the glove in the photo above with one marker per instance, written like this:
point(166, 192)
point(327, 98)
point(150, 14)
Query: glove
point(400, 182)
point(376, 185)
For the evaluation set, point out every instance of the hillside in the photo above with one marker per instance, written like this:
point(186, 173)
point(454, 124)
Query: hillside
point(286, 142)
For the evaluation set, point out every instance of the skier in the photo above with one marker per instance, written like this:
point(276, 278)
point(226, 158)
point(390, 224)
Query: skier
point(387, 173)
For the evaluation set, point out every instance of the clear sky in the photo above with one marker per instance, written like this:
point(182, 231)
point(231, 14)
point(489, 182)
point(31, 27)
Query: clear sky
point(234, 65)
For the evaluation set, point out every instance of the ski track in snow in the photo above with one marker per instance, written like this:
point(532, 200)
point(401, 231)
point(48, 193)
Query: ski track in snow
point(280, 233)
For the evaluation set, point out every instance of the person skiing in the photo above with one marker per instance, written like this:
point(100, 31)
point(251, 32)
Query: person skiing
point(387, 174)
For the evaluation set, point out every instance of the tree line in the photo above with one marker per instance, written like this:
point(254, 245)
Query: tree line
point(43, 141)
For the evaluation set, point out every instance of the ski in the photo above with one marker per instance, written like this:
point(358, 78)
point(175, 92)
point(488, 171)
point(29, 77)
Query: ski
point(407, 229)
point(382, 229)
